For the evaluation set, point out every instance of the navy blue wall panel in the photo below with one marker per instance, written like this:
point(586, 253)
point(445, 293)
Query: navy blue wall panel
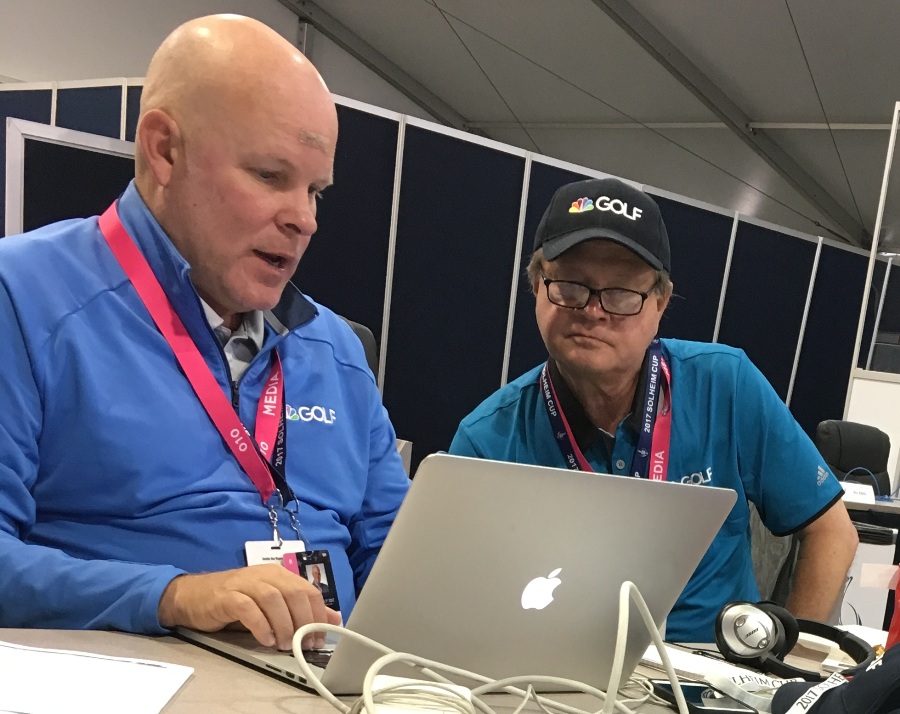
point(345, 266)
point(31, 104)
point(699, 240)
point(823, 371)
point(132, 110)
point(456, 240)
point(96, 110)
point(527, 348)
point(767, 289)
point(56, 187)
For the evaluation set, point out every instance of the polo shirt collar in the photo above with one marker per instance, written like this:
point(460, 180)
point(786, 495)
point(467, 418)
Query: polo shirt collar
point(584, 431)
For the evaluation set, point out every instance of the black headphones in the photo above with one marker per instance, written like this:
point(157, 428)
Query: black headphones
point(760, 635)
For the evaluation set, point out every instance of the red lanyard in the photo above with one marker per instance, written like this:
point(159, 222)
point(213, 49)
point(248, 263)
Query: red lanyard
point(204, 384)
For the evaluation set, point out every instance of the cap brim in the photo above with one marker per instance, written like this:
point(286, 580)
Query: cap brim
point(555, 247)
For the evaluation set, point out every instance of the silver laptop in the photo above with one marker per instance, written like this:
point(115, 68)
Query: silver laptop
point(506, 569)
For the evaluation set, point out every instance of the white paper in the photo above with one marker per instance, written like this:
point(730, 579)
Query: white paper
point(863, 602)
point(690, 665)
point(879, 575)
point(39, 681)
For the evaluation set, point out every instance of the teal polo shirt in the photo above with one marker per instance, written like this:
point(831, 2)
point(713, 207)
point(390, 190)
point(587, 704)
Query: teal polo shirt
point(729, 429)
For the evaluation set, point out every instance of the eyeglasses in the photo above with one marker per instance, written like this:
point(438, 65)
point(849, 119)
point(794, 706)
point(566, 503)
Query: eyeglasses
point(615, 301)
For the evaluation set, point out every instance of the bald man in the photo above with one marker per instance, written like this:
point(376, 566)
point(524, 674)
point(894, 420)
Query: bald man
point(173, 407)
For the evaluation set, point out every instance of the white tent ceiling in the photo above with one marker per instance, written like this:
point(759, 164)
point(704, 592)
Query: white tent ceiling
point(698, 97)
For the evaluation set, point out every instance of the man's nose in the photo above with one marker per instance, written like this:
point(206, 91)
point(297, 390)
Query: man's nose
point(300, 216)
point(594, 308)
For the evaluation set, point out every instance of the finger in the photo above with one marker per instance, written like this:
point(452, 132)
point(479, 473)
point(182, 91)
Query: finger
point(240, 607)
point(320, 613)
point(298, 598)
point(265, 615)
point(281, 595)
point(271, 600)
point(334, 618)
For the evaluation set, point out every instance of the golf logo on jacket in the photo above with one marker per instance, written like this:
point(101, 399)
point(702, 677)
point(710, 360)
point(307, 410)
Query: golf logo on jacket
point(316, 413)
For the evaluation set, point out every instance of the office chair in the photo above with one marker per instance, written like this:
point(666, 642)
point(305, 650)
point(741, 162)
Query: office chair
point(855, 452)
point(370, 346)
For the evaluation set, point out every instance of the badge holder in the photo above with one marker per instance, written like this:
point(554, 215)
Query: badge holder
point(259, 552)
point(315, 566)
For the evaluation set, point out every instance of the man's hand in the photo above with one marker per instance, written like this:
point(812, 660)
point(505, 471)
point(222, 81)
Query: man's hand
point(268, 600)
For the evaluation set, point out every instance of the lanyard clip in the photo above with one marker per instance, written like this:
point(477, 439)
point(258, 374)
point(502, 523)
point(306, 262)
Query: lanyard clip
point(292, 514)
point(273, 520)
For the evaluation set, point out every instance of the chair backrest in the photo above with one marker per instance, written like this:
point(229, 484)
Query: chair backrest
point(370, 346)
point(855, 452)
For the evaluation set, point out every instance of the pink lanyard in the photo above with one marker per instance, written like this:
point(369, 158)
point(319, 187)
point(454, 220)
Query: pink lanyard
point(204, 384)
point(656, 429)
point(662, 429)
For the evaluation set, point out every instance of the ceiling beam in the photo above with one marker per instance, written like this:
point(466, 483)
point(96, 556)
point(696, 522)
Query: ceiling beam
point(691, 125)
point(667, 55)
point(362, 51)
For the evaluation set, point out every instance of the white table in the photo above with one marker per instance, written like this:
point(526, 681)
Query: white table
point(218, 684)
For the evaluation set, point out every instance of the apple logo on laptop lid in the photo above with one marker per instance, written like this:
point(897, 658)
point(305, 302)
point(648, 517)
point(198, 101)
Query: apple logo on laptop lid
point(538, 593)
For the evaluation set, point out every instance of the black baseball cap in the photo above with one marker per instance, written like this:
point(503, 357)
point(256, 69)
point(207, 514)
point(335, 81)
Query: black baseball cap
point(604, 208)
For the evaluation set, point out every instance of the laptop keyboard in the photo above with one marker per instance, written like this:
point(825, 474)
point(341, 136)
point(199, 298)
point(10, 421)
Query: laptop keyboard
point(318, 658)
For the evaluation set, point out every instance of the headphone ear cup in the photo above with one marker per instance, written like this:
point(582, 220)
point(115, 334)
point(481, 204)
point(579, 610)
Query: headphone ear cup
point(786, 625)
point(746, 635)
point(721, 643)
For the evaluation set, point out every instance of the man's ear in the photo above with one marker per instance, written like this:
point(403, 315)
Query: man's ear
point(538, 281)
point(160, 142)
point(664, 297)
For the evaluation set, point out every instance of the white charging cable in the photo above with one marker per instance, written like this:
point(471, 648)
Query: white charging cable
point(446, 697)
point(630, 591)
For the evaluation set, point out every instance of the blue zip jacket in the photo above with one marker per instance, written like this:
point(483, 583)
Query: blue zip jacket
point(113, 479)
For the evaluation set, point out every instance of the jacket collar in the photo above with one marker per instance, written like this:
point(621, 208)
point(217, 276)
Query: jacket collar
point(293, 310)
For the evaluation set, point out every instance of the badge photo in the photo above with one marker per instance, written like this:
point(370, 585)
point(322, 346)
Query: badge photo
point(315, 566)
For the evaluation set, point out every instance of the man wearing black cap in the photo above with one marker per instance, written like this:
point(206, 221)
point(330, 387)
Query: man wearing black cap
point(613, 398)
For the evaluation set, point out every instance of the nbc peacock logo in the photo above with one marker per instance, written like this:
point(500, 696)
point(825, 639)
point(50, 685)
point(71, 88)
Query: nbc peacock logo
point(581, 205)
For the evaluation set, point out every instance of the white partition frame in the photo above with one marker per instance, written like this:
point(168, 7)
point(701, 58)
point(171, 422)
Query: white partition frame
point(20, 130)
point(873, 397)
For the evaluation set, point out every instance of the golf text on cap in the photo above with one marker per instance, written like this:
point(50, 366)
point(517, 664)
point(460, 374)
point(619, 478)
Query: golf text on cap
point(605, 203)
